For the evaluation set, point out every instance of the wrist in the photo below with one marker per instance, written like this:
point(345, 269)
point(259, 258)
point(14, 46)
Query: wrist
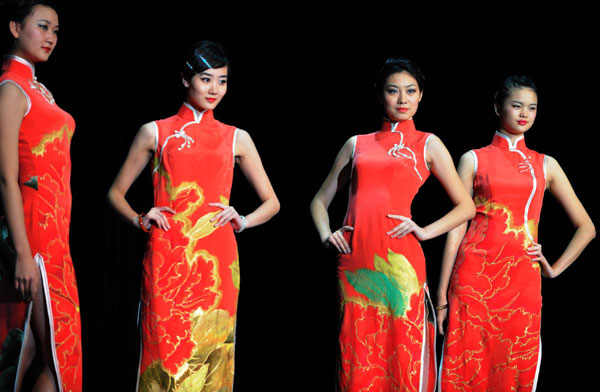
point(141, 224)
point(23, 252)
point(427, 233)
point(243, 224)
point(442, 298)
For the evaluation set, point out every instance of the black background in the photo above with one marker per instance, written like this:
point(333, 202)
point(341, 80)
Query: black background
point(301, 84)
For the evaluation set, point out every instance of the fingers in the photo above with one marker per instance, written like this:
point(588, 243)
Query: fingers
point(398, 217)
point(407, 226)
point(337, 239)
point(156, 216)
point(536, 251)
point(26, 287)
point(227, 215)
point(402, 229)
point(21, 290)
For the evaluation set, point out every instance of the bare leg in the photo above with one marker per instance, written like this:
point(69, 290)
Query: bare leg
point(43, 366)
point(27, 355)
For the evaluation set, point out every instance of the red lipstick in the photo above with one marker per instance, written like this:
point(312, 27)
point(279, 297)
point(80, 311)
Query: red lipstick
point(522, 122)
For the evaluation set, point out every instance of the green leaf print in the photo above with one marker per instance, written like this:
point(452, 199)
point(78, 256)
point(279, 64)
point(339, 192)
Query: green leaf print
point(389, 286)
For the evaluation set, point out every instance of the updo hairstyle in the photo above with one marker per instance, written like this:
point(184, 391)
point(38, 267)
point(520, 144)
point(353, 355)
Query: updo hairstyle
point(395, 65)
point(201, 56)
point(510, 83)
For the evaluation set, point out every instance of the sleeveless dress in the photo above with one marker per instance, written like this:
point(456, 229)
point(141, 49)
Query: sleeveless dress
point(493, 338)
point(386, 340)
point(44, 180)
point(190, 279)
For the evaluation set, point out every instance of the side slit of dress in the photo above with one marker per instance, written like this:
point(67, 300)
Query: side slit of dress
point(28, 351)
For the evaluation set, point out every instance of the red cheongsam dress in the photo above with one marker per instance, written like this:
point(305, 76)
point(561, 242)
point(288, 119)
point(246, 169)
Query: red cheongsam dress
point(493, 339)
point(190, 277)
point(386, 338)
point(44, 180)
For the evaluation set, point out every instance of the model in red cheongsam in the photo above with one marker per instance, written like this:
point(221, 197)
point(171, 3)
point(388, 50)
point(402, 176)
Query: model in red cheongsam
point(191, 275)
point(493, 336)
point(386, 339)
point(44, 179)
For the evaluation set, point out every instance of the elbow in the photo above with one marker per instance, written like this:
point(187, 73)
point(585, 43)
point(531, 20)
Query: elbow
point(317, 204)
point(470, 210)
point(313, 205)
point(111, 196)
point(276, 206)
point(592, 230)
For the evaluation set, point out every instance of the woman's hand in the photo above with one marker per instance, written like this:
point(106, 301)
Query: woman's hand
point(407, 226)
point(547, 271)
point(27, 278)
point(228, 215)
point(337, 239)
point(442, 313)
point(156, 216)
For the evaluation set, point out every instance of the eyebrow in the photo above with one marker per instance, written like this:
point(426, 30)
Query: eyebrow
point(523, 103)
point(46, 21)
point(397, 86)
point(212, 76)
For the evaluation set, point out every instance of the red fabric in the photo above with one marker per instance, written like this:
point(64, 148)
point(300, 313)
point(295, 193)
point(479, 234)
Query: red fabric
point(191, 274)
point(382, 281)
point(493, 336)
point(44, 178)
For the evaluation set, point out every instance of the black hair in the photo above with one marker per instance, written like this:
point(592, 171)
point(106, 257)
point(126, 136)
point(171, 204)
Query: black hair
point(18, 11)
point(510, 83)
point(201, 56)
point(394, 65)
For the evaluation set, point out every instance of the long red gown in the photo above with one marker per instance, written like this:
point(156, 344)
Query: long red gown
point(191, 272)
point(44, 179)
point(386, 339)
point(493, 338)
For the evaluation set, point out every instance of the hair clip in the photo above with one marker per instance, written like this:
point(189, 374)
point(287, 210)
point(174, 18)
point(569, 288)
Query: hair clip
point(204, 61)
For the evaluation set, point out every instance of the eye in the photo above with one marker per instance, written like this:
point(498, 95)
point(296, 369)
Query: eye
point(391, 91)
point(223, 82)
point(515, 106)
point(412, 90)
point(43, 27)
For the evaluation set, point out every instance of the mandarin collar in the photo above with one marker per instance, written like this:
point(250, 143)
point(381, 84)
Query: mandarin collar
point(19, 65)
point(188, 112)
point(405, 126)
point(503, 141)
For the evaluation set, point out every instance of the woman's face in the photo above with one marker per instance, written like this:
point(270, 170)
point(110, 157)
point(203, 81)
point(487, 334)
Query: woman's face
point(518, 111)
point(206, 89)
point(36, 38)
point(401, 96)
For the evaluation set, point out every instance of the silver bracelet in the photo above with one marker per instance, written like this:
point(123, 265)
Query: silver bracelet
point(243, 226)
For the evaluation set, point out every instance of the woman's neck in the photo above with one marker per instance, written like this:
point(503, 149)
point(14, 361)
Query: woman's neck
point(512, 136)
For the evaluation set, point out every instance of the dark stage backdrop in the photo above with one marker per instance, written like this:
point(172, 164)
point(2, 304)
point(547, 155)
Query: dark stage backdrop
point(301, 84)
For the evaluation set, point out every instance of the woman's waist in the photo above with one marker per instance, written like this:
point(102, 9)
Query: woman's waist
point(377, 215)
point(502, 228)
